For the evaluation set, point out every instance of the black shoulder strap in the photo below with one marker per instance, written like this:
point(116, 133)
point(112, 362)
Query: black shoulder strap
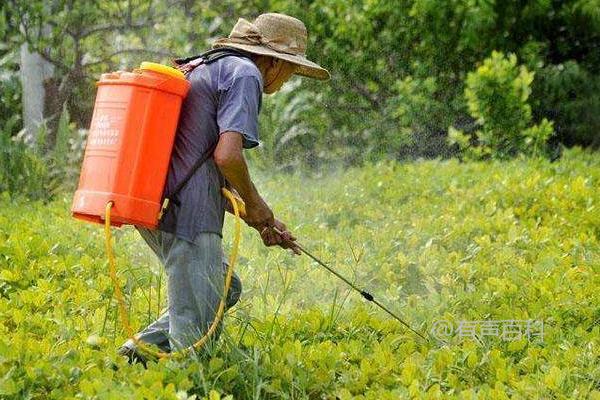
point(187, 65)
point(211, 56)
point(207, 154)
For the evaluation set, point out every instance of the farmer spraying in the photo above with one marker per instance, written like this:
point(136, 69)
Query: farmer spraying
point(219, 118)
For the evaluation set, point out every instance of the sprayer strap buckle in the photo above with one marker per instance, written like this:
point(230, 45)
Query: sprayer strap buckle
point(163, 208)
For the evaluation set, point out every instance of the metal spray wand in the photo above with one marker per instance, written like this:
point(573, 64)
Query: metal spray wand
point(364, 293)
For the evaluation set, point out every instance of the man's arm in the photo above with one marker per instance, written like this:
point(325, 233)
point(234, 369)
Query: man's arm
point(230, 160)
point(232, 164)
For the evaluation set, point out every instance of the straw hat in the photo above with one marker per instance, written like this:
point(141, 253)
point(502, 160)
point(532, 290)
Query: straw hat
point(275, 35)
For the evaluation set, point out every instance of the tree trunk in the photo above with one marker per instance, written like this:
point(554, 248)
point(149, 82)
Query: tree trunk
point(35, 70)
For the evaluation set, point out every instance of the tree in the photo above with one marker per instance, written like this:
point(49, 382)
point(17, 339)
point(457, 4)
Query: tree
point(65, 44)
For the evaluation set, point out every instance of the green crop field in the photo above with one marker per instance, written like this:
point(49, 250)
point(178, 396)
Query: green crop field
point(433, 240)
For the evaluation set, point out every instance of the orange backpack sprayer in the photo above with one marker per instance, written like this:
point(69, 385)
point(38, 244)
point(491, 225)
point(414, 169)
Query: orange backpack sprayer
point(126, 163)
point(129, 145)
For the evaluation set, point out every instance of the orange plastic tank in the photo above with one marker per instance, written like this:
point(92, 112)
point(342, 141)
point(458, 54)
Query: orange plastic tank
point(129, 145)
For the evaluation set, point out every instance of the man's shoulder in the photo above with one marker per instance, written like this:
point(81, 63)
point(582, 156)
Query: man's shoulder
point(232, 67)
point(241, 65)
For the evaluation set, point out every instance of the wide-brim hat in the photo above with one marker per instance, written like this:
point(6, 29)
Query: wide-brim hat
point(275, 35)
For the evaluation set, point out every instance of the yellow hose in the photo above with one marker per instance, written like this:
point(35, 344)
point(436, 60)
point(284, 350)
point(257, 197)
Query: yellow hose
point(238, 209)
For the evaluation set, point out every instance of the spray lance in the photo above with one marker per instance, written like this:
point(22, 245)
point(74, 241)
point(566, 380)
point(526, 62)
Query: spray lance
point(362, 292)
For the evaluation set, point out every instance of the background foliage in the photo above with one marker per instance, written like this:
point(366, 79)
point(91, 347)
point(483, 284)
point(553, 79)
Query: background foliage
point(399, 67)
point(497, 96)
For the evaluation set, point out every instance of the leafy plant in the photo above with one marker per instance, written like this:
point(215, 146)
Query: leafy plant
point(65, 156)
point(497, 95)
point(433, 240)
point(569, 95)
point(22, 171)
point(292, 130)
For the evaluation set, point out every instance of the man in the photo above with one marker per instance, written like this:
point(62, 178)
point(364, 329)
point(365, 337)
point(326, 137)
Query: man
point(220, 112)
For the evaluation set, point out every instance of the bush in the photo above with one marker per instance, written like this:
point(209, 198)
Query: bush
point(292, 130)
point(28, 169)
point(570, 95)
point(497, 94)
point(22, 170)
point(10, 93)
point(66, 154)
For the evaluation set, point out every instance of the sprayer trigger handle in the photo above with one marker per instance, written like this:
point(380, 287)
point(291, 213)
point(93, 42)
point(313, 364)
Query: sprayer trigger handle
point(366, 295)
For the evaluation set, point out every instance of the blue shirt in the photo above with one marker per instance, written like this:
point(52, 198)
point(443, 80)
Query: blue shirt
point(224, 96)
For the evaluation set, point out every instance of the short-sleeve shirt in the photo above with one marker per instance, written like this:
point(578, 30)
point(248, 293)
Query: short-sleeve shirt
point(225, 95)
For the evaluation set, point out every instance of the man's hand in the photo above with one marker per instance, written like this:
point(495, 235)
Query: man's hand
point(284, 239)
point(259, 216)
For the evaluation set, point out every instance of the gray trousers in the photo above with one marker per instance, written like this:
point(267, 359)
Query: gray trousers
point(195, 278)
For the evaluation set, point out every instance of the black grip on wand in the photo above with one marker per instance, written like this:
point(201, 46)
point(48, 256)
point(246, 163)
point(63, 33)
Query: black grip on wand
point(366, 295)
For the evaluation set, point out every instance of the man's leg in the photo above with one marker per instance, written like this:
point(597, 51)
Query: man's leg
point(155, 333)
point(195, 286)
point(235, 288)
point(158, 331)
